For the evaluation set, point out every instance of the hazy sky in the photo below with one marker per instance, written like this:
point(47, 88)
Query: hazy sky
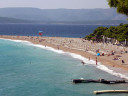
point(55, 4)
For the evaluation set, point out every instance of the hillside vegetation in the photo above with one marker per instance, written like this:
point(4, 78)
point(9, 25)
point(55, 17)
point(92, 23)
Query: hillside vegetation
point(119, 33)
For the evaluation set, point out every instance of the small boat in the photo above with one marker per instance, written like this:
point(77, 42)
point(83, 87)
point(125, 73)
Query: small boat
point(110, 91)
point(113, 82)
point(98, 81)
point(83, 80)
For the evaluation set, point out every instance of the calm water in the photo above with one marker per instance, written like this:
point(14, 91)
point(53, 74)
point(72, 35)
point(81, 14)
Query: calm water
point(30, 70)
point(27, 70)
point(48, 30)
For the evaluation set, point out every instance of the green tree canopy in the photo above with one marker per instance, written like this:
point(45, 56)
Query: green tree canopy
point(120, 33)
point(121, 5)
point(111, 32)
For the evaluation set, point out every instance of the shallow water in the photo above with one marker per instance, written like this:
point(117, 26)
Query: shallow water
point(27, 70)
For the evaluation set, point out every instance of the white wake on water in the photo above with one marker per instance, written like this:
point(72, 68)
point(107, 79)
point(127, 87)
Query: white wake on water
point(73, 55)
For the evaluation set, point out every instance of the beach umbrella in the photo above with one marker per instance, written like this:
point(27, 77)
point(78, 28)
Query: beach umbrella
point(40, 33)
point(98, 54)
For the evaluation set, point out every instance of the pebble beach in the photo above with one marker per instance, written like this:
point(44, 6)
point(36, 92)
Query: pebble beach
point(110, 55)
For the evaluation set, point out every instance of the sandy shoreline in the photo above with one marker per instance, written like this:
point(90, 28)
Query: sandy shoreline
point(84, 48)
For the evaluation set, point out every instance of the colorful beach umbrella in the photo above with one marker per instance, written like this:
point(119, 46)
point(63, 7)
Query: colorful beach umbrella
point(98, 54)
point(40, 33)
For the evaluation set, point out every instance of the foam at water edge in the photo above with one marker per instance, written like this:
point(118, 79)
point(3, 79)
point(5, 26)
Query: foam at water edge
point(106, 69)
point(99, 66)
point(16, 40)
point(92, 62)
point(36, 45)
point(47, 48)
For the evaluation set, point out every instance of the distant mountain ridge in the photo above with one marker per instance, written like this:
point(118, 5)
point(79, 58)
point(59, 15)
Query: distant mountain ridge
point(62, 15)
point(13, 20)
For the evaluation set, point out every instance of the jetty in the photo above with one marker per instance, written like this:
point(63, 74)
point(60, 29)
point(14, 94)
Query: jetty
point(98, 81)
point(110, 91)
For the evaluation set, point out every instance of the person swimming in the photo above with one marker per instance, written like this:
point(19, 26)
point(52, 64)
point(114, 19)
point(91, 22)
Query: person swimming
point(83, 62)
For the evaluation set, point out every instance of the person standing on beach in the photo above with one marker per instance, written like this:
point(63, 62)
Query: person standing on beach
point(89, 59)
point(58, 47)
point(122, 61)
point(96, 60)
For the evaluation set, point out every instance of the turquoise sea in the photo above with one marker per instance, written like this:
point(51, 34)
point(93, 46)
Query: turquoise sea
point(34, 70)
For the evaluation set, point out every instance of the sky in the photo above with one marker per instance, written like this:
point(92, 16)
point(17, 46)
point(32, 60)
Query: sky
point(55, 4)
